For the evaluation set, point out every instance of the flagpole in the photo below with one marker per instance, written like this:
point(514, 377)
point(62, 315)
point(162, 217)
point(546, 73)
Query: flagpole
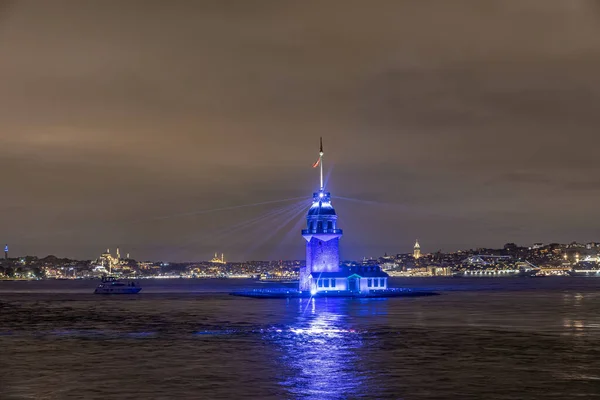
point(321, 162)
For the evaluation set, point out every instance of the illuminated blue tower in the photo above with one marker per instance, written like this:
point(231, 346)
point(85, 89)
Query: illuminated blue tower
point(323, 276)
point(321, 234)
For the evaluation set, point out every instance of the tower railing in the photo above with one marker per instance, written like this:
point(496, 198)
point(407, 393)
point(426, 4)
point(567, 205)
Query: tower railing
point(329, 231)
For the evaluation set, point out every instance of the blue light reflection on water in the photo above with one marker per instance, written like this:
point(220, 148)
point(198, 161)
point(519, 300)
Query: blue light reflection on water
point(317, 350)
point(515, 339)
point(319, 357)
point(313, 344)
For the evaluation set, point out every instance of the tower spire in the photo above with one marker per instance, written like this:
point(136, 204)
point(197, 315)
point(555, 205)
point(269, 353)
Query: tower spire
point(321, 160)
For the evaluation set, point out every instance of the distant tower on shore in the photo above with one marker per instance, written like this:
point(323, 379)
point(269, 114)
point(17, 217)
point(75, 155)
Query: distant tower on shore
point(118, 254)
point(6, 252)
point(417, 251)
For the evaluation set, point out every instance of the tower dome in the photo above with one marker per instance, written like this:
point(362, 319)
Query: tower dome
point(321, 216)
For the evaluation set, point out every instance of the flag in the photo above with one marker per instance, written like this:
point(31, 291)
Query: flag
point(315, 165)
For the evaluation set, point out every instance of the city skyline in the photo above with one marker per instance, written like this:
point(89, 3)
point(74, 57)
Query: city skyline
point(415, 253)
point(179, 129)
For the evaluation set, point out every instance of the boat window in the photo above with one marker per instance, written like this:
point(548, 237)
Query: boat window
point(369, 282)
point(382, 282)
point(326, 283)
point(376, 282)
point(320, 283)
point(333, 282)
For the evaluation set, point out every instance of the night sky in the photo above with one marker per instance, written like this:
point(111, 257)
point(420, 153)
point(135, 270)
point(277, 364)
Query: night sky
point(460, 123)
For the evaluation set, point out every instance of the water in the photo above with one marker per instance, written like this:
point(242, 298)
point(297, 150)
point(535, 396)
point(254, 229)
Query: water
point(502, 338)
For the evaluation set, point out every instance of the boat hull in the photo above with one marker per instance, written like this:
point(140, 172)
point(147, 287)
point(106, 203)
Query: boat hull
point(593, 273)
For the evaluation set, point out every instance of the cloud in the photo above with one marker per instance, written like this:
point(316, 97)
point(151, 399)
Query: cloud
point(464, 123)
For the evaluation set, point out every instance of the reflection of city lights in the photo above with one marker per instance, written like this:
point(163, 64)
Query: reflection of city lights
point(313, 291)
point(574, 324)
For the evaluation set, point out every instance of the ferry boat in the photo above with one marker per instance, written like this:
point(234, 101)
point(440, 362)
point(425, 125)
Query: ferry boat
point(267, 278)
point(489, 273)
point(112, 285)
point(585, 272)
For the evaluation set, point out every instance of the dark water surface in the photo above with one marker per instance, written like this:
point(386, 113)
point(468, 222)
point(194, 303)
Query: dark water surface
point(503, 338)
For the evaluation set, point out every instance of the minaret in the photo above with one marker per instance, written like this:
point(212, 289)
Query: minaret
point(118, 254)
point(6, 252)
point(417, 251)
point(321, 234)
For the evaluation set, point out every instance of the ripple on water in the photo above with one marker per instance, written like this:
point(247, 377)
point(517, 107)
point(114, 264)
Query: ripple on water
point(503, 343)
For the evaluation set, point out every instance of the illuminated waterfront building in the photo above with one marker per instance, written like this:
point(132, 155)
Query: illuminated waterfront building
point(322, 271)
